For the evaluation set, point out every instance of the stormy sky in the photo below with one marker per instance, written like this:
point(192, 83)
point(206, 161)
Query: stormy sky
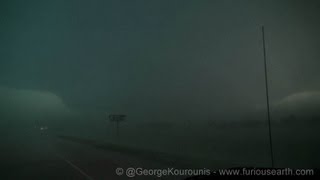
point(160, 59)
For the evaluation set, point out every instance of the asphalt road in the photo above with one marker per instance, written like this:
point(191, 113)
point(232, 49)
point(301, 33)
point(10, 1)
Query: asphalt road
point(33, 155)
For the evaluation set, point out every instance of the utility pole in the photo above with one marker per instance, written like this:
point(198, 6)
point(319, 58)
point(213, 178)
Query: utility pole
point(267, 95)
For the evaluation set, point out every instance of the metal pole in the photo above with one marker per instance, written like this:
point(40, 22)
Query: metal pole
point(267, 95)
point(117, 128)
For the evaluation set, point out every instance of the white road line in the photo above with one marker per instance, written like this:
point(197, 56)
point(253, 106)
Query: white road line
point(75, 167)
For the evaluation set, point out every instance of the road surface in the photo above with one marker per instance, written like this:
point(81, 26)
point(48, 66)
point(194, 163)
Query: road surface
point(34, 155)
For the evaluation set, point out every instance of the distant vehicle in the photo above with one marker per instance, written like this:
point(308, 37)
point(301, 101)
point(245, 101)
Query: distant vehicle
point(43, 128)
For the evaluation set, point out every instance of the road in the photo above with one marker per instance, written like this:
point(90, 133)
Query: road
point(34, 155)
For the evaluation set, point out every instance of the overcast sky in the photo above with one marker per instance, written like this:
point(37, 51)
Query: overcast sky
point(175, 58)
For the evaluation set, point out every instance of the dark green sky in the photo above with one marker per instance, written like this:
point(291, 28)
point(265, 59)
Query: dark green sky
point(160, 57)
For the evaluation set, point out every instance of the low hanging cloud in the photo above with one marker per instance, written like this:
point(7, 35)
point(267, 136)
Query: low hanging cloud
point(299, 105)
point(23, 106)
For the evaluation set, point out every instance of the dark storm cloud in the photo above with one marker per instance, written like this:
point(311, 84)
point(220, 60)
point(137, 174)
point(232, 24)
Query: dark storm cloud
point(176, 58)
